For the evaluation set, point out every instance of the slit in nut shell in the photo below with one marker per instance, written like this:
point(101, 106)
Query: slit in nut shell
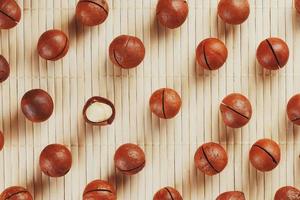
point(99, 111)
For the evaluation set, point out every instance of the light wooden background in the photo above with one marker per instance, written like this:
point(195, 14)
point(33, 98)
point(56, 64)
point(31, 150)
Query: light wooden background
point(169, 61)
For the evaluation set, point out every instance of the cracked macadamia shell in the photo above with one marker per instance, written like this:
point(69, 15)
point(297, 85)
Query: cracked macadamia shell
point(167, 193)
point(99, 189)
point(99, 111)
point(129, 159)
point(287, 193)
point(55, 160)
point(37, 105)
point(53, 45)
point(211, 53)
point(293, 109)
point(265, 155)
point(231, 195)
point(165, 103)
point(172, 13)
point(272, 53)
point(16, 193)
point(10, 14)
point(127, 51)
point(211, 158)
point(92, 12)
point(4, 69)
point(234, 11)
point(236, 110)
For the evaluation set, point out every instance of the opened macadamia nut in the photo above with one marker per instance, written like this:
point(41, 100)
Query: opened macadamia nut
point(265, 155)
point(16, 193)
point(167, 193)
point(37, 105)
point(99, 111)
point(211, 158)
point(10, 14)
point(127, 51)
point(55, 160)
point(211, 53)
point(129, 159)
point(234, 11)
point(99, 189)
point(236, 110)
point(287, 193)
point(4, 69)
point(272, 53)
point(231, 195)
point(53, 45)
point(293, 109)
point(92, 12)
point(172, 14)
point(165, 103)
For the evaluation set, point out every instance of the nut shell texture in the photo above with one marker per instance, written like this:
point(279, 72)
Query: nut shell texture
point(293, 109)
point(234, 11)
point(167, 193)
point(231, 195)
point(129, 159)
point(53, 45)
point(15, 193)
point(172, 13)
point(211, 53)
point(99, 189)
point(211, 158)
point(297, 5)
point(92, 12)
point(37, 105)
point(55, 160)
point(10, 14)
point(4, 69)
point(287, 193)
point(265, 155)
point(1, 140)
point(127, 51)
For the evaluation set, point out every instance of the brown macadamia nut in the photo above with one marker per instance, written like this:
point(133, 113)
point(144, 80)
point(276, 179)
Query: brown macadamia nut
point(172, 14)
point(272, 53)
point(1, 140)
point(297, 5)
point(127, 51)
point(15, 193)
point(99, 111)
point(165, 103)
point(10, 14)
point(293, 109)
point(92, 12)
point(211, 53)
point(265, 155)
point(129, 159)
point(55, 160)
point(99, 189)
point(287, 193)
point(211, 158)
point(53, 45)
point(4, 69)
point(236, 110)
point(231, 195)
point(167, 193)
point(37, 105)
point(234, 11)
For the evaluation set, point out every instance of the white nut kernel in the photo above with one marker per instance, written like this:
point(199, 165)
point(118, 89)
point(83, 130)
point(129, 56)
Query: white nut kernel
point(98, 112)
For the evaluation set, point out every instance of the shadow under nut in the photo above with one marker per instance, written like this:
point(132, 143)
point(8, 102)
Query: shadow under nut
point(53, 45)
point(272, 53)
point(167, 193)
point(231, 195)
point(129, 159)
point(16, 193)
point(99, 189)
point(293, 109)
point(172, 14)
point(287, 193)
point(10, 14)
point(127, 51)
point(264, 155)
point(211, 158)
point(92, 12)
point(211, 53)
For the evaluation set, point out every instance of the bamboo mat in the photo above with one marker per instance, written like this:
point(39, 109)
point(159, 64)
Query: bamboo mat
point(170, 61)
